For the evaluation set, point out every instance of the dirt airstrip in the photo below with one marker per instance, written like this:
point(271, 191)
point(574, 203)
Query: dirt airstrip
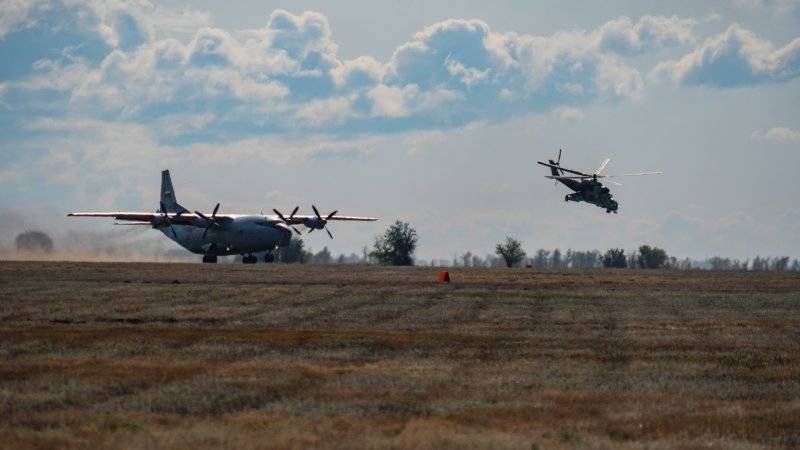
point(149, 355)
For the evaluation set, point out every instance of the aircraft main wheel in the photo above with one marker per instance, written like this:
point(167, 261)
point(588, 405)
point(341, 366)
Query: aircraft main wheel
point(269, 257)
point(210, 259)
point(566, 199)
point(249, 259)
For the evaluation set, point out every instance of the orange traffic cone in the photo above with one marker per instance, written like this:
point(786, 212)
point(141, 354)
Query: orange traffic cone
point(444, 277)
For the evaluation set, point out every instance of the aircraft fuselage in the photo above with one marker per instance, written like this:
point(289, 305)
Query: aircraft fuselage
point(239, 235)
point(590, 191)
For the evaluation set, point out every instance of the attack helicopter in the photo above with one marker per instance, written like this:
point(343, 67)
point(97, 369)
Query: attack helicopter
point(586, 185)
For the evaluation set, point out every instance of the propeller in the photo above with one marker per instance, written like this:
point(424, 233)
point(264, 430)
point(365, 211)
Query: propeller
point(167, 221)
point(320, 222)
point(210, 221)
point(286, 221)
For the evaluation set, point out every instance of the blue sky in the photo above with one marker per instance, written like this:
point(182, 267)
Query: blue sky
point(431, 112)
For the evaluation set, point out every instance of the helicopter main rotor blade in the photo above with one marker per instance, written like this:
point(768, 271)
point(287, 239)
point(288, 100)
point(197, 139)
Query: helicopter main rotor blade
point(602, 166)
point(567, 177)
point(630, 174)
point(565, 170)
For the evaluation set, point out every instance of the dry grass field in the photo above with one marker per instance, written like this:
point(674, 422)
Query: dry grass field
point(231, 356)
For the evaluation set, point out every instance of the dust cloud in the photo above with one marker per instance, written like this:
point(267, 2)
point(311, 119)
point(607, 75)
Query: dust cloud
point(119, 243)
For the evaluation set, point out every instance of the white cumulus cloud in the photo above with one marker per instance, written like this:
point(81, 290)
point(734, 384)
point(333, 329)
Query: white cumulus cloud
point(777, 134)
point(736, 57)
point(625, 36)
point(287, 74)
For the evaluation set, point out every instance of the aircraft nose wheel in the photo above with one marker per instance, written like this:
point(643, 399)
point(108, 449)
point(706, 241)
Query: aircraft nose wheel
point(249, 259)
point(209, 259)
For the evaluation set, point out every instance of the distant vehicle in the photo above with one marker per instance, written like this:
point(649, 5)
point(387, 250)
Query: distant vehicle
point(587, 188)
point(213, 234)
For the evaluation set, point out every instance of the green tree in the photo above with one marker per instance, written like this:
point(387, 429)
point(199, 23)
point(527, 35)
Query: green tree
point(760, 264)
point(720, 263)
point(555, 259)
point(780, 264)
point(588, 259)
point(511, 251)
point(615, 258)
point(651, 257)
point(396, 246)
point(322, 257)
point(541, 259)
point(478, 262)
point(467, 259)
point(293, 253)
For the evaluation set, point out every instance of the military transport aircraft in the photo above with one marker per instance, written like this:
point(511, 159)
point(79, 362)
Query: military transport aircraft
point(213, 235)
point(586, 187)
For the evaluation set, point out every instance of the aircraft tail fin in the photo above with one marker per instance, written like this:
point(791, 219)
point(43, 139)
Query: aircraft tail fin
point(168, 199)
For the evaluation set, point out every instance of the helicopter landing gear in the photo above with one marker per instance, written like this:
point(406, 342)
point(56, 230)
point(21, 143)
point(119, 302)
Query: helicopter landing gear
point(249, 259)
point(210, 259)
point(269, 258)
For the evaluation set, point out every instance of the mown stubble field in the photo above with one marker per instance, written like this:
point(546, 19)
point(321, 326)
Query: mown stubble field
point(147, 355)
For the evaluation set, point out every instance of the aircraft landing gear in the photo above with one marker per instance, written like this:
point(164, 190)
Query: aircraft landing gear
point(269, 258)
point(249, 259)
point(566, 198)
point(210, 259)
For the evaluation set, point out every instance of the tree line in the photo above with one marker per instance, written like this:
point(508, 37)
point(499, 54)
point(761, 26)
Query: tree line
point(398, 244)
point(644, 257)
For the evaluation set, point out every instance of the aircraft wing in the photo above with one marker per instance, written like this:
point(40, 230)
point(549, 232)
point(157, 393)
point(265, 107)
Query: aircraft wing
point(118, 215)
point(191, 218)
point(184, 218)
point(301, 219)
